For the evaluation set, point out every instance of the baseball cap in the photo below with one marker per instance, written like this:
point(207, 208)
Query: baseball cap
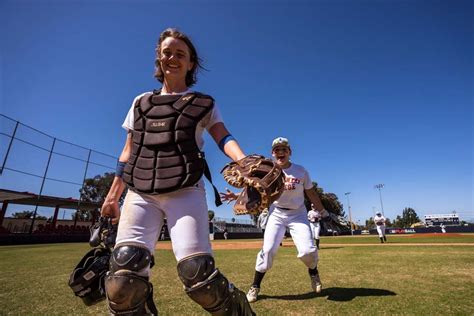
point(280, 141)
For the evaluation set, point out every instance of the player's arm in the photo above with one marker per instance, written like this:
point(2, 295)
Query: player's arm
point(110, 206)
point(226, 142)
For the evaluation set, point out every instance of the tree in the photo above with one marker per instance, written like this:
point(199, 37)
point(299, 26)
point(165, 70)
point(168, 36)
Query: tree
point(210, 215)
point(27, 215)
point(407, 218)
point(370, 223)
point(85, 216)
point(96, 188)
point(23, 214)
point(330, 201)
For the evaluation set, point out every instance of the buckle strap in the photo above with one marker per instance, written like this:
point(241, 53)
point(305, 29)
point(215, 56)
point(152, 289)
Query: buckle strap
point(207, 173)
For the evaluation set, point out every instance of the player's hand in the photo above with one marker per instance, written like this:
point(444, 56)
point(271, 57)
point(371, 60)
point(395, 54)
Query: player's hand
point(110, 208)
point(228, 196)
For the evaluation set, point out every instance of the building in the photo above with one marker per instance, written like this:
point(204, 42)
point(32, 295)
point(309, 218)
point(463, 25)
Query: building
point(438, 219)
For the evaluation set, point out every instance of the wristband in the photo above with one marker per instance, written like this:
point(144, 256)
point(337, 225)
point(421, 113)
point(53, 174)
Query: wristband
point(224, 141)
point(119, 169)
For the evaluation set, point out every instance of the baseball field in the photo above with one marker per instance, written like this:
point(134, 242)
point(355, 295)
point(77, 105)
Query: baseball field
point(410, 275)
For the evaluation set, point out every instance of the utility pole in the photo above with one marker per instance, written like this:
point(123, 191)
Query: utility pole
point(350, 212)
point(380, 187)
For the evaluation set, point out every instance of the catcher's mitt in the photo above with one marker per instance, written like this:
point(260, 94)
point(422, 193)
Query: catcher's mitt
point(261, 179)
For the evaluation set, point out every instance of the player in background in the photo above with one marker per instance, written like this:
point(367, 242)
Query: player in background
point(379, 220)
point(262, 220)
point(314, 218)
point(289, 212)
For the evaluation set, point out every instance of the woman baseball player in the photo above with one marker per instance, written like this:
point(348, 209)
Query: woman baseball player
point(314, 217)
point(289, 212)
point(162, 165)
point(379, 220)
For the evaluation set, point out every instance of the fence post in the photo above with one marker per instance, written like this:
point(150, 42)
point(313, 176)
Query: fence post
point(42, 185)
point(82, 188)
point(9, 146)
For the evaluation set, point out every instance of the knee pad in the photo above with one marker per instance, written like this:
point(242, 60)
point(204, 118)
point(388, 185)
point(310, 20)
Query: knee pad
point(195, 269)
point(205, 285)
point(127, 288)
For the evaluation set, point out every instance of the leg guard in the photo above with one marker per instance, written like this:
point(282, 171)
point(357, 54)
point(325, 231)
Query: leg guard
point(205, 285)
point(128, 290)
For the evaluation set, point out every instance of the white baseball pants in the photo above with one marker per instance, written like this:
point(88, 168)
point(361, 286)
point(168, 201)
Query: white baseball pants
point(381, 230)
point(186, 212)
point(297, 222)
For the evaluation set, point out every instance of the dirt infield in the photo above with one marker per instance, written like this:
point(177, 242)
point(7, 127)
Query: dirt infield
point(242, 244)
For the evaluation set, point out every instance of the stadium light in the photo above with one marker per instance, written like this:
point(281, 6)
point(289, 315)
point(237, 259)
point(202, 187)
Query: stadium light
point(380, 187)
point(350, 213)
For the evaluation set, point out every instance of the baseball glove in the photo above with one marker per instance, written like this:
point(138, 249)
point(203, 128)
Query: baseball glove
point(261, 179)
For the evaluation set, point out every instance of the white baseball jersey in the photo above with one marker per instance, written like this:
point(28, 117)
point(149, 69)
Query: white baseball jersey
point(380, 223)
point(314, 216)
point(379, 220)
point(262, 220)
point(296, 181)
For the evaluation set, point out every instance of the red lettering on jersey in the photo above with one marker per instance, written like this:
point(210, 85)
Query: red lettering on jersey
point(290, 183)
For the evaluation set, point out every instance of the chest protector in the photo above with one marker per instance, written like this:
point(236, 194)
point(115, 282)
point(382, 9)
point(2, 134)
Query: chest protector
point(165, 156)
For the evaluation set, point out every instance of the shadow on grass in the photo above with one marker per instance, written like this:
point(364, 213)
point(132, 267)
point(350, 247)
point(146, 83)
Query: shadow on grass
point(348, 294)
point(339, 294)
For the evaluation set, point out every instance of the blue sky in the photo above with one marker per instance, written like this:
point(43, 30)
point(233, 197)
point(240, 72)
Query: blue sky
point(367, 92)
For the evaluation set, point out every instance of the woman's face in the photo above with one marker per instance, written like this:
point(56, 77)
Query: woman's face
point(281, 154)
point(175, 59)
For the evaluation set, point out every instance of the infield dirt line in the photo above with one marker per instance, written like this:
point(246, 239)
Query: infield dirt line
point(258, 244)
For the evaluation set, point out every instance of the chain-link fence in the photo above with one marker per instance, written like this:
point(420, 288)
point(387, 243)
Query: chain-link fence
point(35, 162)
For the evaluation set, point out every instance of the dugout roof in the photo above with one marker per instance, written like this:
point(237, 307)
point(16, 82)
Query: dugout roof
point(27, 198)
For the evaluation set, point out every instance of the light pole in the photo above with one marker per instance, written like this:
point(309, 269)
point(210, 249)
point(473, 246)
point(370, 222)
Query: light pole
point(350, 213)
point(380, 186)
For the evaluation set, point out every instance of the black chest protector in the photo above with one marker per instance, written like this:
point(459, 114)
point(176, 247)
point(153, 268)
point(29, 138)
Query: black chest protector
point(165, 156)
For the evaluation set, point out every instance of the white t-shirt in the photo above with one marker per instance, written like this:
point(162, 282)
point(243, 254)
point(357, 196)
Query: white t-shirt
point(211, 118)
point(262, 220)
point(296, 181)
point(314, 216)
point(379, 220)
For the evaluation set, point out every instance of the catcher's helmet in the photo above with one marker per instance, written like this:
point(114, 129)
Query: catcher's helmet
point(87, 279)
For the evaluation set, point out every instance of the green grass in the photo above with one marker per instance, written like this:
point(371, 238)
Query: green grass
point(405, 280)
point(416, 238)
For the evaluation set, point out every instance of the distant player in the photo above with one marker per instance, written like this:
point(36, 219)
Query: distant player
point(443, 228)
point(314, 217)
point(379, 220)
point(262, 220)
